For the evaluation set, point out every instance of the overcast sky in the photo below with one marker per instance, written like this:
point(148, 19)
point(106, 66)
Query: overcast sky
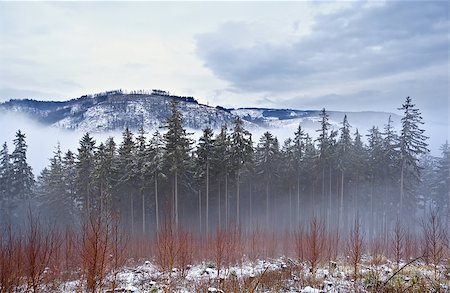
point(339, 55)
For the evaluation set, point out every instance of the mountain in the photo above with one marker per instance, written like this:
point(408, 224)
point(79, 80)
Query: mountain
point(115, 110)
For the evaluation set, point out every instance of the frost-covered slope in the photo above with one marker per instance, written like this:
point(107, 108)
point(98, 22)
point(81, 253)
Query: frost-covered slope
point(115, 110)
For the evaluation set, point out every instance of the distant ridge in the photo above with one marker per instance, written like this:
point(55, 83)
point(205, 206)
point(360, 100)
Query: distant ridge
point(117, 109)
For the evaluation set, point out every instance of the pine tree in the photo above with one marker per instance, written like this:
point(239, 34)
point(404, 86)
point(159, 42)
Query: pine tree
point(267, 156)
point(375, 169)
point(358, 168)
point(289, 174)
point(441, 186)
point(5, 173)
point(22, 176)
point(324, 146)
point(390, 160)
point(70, 176)
point(143, 170)
point(103, 175)
point(412, 145)
point(127, 171)
point(345, 146)
point(85, 169)
point(241, 156)
point(177, 149)
point(156, 165)
point(221, 165)
point(204, 154)
point(298, 152)
point(53, 189)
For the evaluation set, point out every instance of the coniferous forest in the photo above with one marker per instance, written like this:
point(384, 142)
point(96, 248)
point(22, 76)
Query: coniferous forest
point(376, 187)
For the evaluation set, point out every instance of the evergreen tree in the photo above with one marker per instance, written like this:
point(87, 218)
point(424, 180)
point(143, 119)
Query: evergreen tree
point(324, 146)
point(390, 160)
point(204, 154)
point(103, 175)
point(177, 149)
point(441, 186)
point(345, 146)
point(143, 170)
point(298, 152)
point(241, 156)
point(412, 144)
point(221, 166)
point(53, 189)
point(375, 170)
point(156, 165)
point(5, 173)
point(22, 176)
point(85, 169)
point(70, 176)
point(359, 167)
point(127, 171)
point(267, 157)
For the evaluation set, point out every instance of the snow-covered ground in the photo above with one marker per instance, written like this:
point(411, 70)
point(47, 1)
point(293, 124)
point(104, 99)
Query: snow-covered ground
point(274, 275)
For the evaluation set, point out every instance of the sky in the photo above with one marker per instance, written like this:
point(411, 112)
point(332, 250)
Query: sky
point(347, 56)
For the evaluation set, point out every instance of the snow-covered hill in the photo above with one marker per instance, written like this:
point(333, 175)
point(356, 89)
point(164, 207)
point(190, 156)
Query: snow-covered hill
point(115, 110)
point(47, 123)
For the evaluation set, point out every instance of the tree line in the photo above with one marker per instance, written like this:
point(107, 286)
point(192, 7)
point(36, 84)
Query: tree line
point(226, 177)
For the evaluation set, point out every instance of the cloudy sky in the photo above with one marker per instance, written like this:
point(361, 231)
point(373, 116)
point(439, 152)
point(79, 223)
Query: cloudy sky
point(339, 55)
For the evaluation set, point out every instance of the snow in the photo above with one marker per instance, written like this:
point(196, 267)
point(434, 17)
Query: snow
point(310, 290)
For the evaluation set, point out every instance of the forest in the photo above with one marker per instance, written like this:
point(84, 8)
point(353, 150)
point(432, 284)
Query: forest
point(150, 188)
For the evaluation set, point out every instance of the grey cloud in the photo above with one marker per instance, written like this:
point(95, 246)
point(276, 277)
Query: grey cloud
point(355, 43)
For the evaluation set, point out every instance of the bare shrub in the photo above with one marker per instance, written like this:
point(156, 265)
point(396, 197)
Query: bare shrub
point(10, 260)
point(355, 248)
point(315, 244)
point(398, 242)
point(434, 239)
point(93, 244)
point(39, 246)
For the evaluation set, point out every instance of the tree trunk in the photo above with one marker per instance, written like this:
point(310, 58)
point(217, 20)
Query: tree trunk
point(400, 209)
point(341, 206)
point(237, 196)
point(156, 203)
point(329, 198)
point(298, 197)
point(220, 212)
point(267, 203)
point(143, 212)
point(226, 199)
point(200, 210)
point(132, 212)
point(207, 198)
point(176, 197)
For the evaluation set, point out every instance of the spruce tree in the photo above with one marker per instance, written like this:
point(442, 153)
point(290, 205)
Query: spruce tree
point(298, 152)
point(267, 156)
point(221, 166)
point(412, 144)
point(5, 173)
point(143, 170)
point(177, 149)
point(156, 166)
point(323, 146)
point(391, 160)
point(204, 156)
point(441, 186)
point(241, 156)
point(345, 146)
point(127, 171)
point(85, 169)
point(70, 176)
point(22, 176)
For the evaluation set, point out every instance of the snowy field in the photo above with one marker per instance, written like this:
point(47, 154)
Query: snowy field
point(276, 275)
